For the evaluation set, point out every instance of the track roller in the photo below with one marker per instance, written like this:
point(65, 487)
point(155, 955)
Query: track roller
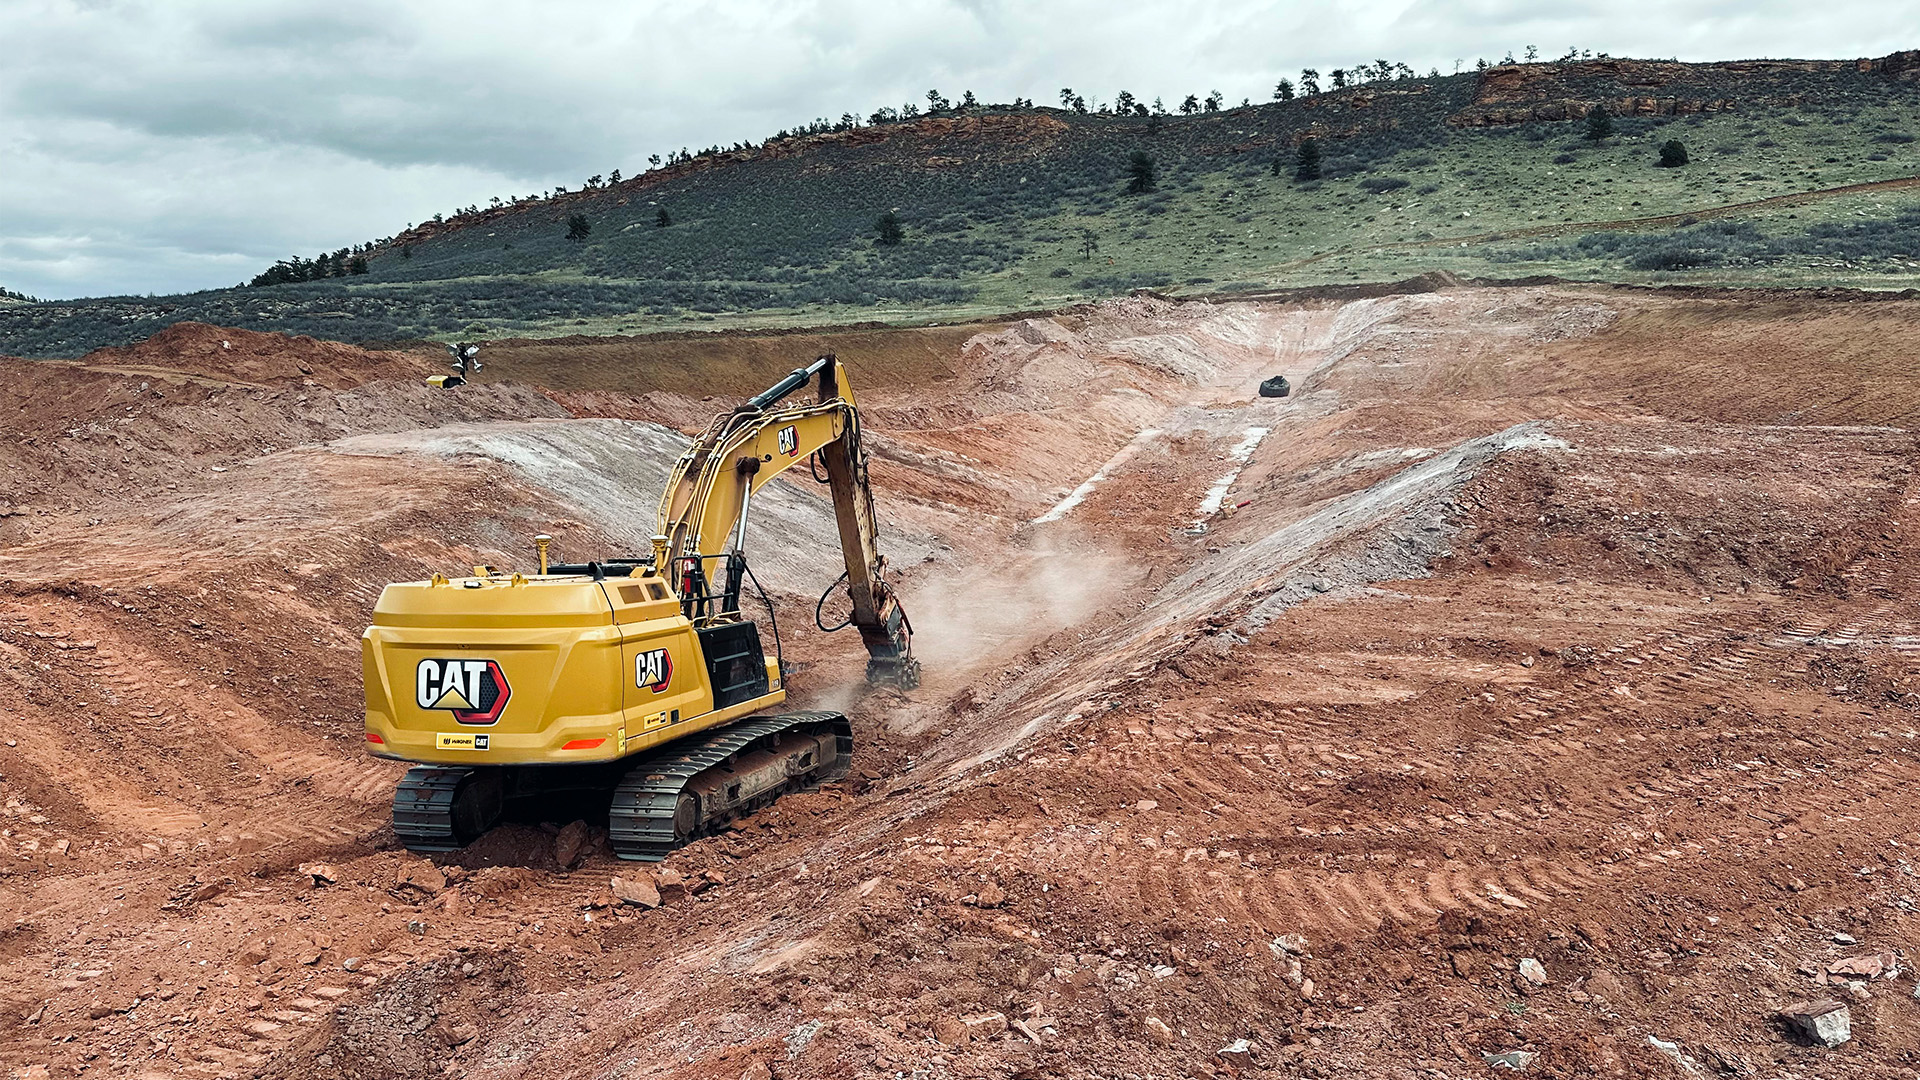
point(686, 789)
point(445, 808)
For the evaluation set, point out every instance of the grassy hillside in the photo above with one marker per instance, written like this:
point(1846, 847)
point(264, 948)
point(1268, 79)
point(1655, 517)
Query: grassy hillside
point(1483, 174)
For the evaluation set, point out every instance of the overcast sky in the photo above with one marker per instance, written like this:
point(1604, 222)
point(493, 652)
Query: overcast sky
point(161, 147)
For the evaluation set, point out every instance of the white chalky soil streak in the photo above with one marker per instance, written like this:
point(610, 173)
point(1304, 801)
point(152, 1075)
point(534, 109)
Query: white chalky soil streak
point(1079, 494)
point(1217, 494)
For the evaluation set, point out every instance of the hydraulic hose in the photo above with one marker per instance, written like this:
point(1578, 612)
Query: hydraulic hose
point(821, 606)
point(773, 620)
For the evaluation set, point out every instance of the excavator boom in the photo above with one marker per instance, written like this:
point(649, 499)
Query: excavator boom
point(709, 493)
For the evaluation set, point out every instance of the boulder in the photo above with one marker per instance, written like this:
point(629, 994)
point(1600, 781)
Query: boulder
point(637, 891)
point(568, 844)
point(1824, 1020)
point(1276, 387)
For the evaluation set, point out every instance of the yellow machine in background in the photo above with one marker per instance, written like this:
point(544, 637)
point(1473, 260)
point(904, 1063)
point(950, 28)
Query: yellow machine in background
point(634, 681)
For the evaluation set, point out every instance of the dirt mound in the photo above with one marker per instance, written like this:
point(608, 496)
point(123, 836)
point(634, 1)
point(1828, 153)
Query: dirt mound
point(169, 414)
point(260, 359)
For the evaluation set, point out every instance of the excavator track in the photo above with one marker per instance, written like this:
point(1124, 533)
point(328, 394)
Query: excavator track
point(445, 807)
point(656, 806)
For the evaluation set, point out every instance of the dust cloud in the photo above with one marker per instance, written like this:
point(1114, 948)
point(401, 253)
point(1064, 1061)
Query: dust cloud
point(981, 613)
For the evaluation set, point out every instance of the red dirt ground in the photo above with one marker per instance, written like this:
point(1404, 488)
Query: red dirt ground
point(1559, 626)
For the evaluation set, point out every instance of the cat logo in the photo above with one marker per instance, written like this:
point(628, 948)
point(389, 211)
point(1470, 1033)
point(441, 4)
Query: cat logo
point(790, 441)
point(459, 740)
point(475, 691)
point(653, 670)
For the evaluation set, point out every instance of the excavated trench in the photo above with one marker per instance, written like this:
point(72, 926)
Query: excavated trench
point(1259, 735)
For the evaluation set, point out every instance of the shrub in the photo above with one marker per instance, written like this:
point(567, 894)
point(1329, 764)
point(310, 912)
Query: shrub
point(1673, 154)
point(1060, 271)
point(1380, 185)
point(1564, 159)
point(1673, 257)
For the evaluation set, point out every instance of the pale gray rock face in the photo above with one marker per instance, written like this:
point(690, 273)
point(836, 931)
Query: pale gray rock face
point(1825, 1021)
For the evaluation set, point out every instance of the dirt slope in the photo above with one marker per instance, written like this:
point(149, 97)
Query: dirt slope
point(1564, 628)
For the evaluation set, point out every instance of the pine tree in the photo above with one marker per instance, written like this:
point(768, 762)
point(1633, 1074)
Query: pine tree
point(1599, 124)
point(1307, 165)
point(1141, 173)
point(889, 230)
point(1283, 91)
point(661, 219)
point(577, 227)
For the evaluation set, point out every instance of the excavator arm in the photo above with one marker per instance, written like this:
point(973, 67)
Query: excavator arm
point(701, 528)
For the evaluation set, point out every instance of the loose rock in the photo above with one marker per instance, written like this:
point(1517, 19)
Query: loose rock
point(421, 875)
point(567, 845)
point(951, 1031)
point(1876, 966)
point(321, 873)
point(985, 1025)
point(1515, 1060)
point(1290, 944)
point(1158, 1031)
point(1680, 1057)
point(1533, 971)
point(636, 891)
point(1824, 1020)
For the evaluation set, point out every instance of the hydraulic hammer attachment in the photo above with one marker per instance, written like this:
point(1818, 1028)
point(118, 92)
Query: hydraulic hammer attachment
point(883, 624)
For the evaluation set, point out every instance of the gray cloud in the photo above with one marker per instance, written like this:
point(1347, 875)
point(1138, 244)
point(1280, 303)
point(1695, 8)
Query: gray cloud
point(148, 146)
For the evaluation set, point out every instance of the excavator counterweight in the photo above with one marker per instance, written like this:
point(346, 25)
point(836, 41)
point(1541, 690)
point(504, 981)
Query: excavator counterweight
point(636, 683)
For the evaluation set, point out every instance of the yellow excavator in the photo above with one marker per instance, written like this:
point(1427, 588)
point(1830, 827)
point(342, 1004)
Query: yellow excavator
point(637, 682)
